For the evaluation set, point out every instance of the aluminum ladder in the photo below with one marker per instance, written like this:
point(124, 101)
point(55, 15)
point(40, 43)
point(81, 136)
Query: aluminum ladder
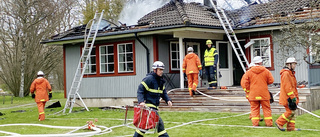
point(83, 62)
point(231, 36)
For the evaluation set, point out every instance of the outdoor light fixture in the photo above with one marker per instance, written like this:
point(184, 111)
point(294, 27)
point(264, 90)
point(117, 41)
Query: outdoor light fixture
point(249, 44)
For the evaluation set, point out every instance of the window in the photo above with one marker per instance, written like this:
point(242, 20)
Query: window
point(261, 47)
point(125, 57)
point(91, 64)
point(174, 54)
point(106, 59)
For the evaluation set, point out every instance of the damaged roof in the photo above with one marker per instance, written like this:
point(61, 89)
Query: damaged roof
point(177, 14)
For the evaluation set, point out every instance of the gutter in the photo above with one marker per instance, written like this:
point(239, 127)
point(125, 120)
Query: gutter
point(147, 51)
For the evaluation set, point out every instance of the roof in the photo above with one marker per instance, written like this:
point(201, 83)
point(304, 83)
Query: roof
point(177, 14)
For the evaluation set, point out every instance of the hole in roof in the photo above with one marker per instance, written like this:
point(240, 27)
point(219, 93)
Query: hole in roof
point(104, 24)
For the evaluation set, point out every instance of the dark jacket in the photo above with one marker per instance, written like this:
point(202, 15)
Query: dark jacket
point(151, 89)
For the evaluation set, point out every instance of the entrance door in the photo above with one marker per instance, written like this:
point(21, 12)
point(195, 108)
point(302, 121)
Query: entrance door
point(225, 64)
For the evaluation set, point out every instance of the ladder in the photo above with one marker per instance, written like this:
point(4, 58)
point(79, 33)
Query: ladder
point(83, 62)
point(231, 36)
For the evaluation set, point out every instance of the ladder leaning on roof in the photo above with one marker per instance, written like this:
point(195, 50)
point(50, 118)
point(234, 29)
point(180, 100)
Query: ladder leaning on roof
point(231, 36)
point(83, 62)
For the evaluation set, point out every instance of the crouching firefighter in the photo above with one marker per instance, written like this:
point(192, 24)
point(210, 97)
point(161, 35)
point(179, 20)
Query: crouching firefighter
point(289, 97)
point(149, 92)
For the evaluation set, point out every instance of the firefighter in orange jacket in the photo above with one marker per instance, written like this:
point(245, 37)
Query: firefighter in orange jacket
point(39, 90)
point(257, 80)
point(191, 66)
point(289, 97)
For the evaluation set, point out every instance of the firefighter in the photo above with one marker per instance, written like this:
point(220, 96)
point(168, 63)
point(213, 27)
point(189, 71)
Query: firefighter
point(210, 63)
point(289, 97)
point(257, 80)
point(149, 92)
point(191, 66)
point(39, 90)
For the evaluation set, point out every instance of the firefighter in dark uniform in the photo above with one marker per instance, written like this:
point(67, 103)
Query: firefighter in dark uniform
point(210, 63)
point(149, 92)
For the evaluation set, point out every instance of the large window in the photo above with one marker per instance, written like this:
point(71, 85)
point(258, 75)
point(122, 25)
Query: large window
point(125, 57)
point(262, 47)
point(174, 54)
point(106, 59)
point(91, 64)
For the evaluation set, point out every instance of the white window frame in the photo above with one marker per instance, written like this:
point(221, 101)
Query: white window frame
point(90, 64)
point(174, 58)
point(125, 61)
point(266, 59)
point(107, 61)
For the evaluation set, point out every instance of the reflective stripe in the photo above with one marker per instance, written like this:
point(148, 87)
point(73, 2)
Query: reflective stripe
point(195, 84)
point(290, 93)
point(209, 57)
point(162, 132)
point(267, 117)
point(139, 132)
point(284, 117)
point(244, 89)
point(292, 121)
point(41, 113)
point(199, 66)
point(191, 71)
point(184, 69)
point(255, 118)
point(212, 82)
point(247, 96)
point(248, 91)
point(42, 100)
point(151, 105)
point(258, 97)
point(151, 90)
point(50, 92)
point(190, 88)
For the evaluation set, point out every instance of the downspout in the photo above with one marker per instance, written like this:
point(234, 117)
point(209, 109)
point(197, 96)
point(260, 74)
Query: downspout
point(147, 51)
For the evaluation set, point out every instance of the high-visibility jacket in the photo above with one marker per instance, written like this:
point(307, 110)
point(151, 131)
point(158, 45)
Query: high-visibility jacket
point(151, 89)
point(257, 80)
point(41, 86)
point(210, 57)
point(288, 86)
point(191, 63)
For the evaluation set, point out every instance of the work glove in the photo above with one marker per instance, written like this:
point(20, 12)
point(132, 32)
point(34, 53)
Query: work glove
point(200, 73)
point(33, 95)
point(50, 96)
point(271, 97)
point(292, 103)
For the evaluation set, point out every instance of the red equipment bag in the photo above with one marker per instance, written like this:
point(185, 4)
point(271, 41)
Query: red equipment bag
point(145, 118)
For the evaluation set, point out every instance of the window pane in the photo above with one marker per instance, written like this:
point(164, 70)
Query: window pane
point(174, 64)
point(93, 69)
point(93, 60)
point(174, 55)
point(121, 57)
point(110, 49)
point(256, 44)
point(110, 59)
point(130, 67)
point(173, 47)
point(121, 48)
point(103, 50)
point(130, 57)
point(122, 67)
point(103, 68)
point(103, 59)
point(257, 52)
point(129, 47)
point(110, 67)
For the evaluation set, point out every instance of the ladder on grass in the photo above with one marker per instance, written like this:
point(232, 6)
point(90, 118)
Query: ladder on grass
point(83, 62)
point(231, 36)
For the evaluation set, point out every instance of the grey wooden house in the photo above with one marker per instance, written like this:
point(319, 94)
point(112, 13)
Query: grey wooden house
point(123, 55)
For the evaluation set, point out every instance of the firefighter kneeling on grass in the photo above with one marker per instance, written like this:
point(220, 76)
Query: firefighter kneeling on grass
point(149, 92)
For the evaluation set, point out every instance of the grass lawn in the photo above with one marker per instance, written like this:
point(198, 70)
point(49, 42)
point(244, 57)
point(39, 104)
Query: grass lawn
point(219, 124)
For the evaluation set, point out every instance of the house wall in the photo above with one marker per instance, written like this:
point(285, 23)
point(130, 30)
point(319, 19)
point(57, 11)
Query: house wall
point(109, 86)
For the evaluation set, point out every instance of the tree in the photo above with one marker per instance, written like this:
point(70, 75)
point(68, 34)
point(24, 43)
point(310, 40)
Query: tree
point(300, 34)
point(112, 9)
point(23, 24)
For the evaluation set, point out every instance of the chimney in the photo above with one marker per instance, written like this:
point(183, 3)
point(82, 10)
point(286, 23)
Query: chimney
point(208, 3)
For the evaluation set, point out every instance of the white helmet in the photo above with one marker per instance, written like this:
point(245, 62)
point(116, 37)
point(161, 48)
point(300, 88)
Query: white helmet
point(291, 60)
point(252, 65)
point(257, 59)
point(158, 64)
point(190, 49)
point(40, 73)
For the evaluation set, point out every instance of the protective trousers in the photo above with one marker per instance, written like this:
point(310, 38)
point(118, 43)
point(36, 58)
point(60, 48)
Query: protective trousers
point(255, 112)
point(192, 82)
point(41, 110)
point(288, 118)
point(211, 75)
point(161, 131)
